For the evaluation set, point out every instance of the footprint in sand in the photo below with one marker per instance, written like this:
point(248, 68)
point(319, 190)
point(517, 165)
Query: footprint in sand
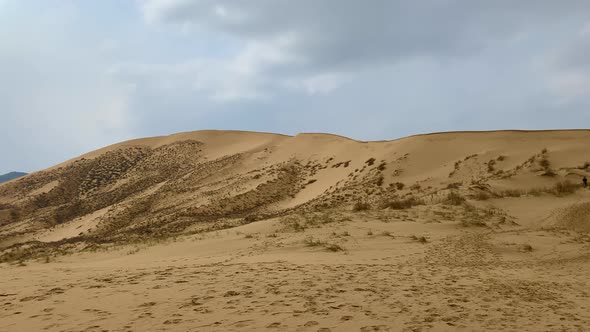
point(375, 328)
point(273, 325)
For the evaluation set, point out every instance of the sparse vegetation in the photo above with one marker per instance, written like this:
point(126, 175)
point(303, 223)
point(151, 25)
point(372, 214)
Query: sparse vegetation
point(453, 198)
point(481, 195)
point(361, 206)
point(311, 242)
point(400, 204)
point(454, 185)
point(527, 247)
point(379, 180)
point(293, 223)
point(370, 161)
point(491, 165)
point(564, 188)
point(420, 239)
point(473, 217)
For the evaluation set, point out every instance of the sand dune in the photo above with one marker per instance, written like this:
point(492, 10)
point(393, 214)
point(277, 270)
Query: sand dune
point(230, 230)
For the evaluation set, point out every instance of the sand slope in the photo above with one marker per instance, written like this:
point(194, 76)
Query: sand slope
point(227, 230)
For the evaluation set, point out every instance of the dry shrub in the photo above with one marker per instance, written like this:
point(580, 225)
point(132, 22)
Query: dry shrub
point(421, 239)
point(564, 188)
point(379, 180)
point(454, 198)
point(311, 242)
point(454, 185)
point(544, 163)
point(361, 206)
point(491, 164)
point(512, 193)
point(472, 217)
point(406, 203)
point(370, 161)
point(293, 223)
point(481, 196)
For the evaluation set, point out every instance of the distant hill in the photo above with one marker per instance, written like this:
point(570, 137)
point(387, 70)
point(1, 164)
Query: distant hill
point(11, 176)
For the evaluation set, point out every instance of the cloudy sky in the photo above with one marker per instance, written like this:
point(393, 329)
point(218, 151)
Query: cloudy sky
point(79, 75)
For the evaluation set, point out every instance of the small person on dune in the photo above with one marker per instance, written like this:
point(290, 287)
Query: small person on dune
point(585, 180)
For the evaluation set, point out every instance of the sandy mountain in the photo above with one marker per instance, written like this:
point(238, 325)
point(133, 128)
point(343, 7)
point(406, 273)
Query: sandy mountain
point(244, 231)
point(196, 181)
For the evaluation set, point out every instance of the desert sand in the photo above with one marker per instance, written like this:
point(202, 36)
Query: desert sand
point(244, 231)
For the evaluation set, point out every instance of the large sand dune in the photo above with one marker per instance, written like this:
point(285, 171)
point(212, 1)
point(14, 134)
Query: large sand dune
point(228, 230)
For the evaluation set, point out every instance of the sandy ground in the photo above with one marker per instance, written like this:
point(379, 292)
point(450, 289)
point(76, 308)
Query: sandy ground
point(263, 276)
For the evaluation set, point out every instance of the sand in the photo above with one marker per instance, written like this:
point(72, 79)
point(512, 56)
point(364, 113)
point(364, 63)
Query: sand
point(241, 239)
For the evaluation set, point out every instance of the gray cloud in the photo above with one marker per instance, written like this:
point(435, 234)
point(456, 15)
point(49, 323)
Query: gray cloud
point(351, 32)
point(86, 74)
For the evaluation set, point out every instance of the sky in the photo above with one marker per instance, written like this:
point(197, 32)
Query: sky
point(79, 75)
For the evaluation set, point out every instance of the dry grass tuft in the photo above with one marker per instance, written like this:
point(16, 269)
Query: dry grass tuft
point(564, 188)
point(454, 198)
point(420, 239)
point(311, 242)
point(401, 204)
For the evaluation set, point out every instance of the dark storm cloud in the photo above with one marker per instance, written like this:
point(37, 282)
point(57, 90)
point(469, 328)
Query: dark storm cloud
point(352, 32)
